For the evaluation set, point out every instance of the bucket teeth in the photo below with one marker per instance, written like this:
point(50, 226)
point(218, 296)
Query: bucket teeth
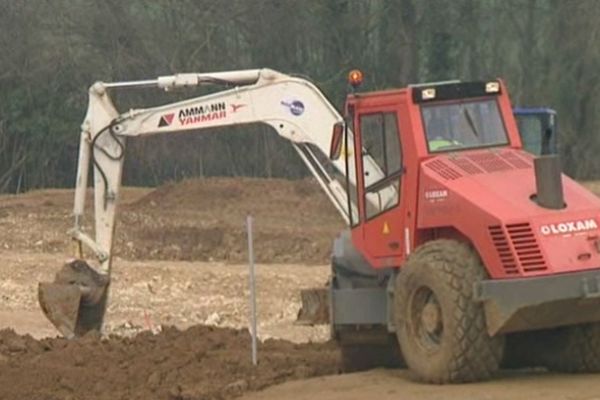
point(76, 301)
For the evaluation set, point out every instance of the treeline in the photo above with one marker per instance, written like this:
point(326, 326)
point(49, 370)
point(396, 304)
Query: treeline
point(51, 51)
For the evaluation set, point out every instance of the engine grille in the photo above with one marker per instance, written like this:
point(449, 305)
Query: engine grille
point(504, 250)
point(525, 244)
point(490, 162)
point(468, 166)
point(443, 169)
point(473, 163)
point(519, 251)
point(517, 161)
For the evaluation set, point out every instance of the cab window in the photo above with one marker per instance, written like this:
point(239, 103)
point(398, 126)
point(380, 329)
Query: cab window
point(382, 161)
point(463, 125)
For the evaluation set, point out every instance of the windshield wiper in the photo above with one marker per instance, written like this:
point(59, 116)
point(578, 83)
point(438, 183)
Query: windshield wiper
point(469, 119)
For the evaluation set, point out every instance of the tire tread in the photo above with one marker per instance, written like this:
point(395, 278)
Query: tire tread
point(475, 355)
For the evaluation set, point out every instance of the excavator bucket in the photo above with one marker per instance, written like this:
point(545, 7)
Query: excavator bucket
point(75, 301)
point(315, 307)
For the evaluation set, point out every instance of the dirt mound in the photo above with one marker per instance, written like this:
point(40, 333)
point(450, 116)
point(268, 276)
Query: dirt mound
point(230, 193)
point(192, 220)
point(199, 363)
point(204, 219)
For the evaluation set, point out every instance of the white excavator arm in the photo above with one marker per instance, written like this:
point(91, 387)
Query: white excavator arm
point(293, 106)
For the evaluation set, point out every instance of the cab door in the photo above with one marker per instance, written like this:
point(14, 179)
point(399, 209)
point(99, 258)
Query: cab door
point(379, 160)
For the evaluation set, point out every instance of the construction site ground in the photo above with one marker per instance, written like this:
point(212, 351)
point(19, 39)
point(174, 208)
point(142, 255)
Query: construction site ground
point(176, 326)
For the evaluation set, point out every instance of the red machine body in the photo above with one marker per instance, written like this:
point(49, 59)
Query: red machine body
point(485, 196)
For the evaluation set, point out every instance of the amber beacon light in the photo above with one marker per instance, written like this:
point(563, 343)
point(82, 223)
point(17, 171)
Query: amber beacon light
point(355, 78)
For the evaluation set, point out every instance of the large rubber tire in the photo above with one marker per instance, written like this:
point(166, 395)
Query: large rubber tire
point(573, 349)
point(452, 345)
point(364, 356)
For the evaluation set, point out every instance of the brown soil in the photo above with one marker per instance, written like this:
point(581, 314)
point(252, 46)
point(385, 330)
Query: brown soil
point(199, 363)
point(194, 220)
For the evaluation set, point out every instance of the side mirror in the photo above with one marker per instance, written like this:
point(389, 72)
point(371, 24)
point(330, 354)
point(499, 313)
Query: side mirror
point(336, 141)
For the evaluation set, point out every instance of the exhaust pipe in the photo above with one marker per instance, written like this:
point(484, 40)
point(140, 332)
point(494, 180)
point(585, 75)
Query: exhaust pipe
point(548, 182)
